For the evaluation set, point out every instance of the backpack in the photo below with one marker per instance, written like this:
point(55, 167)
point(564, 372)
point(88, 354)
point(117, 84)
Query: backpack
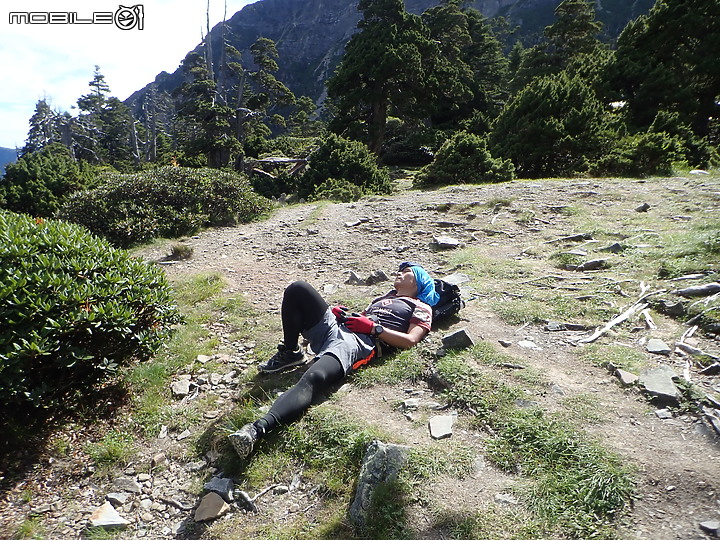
point(450, 301)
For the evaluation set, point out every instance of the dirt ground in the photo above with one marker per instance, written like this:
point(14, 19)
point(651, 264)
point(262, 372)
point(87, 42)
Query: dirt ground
point(677, 459)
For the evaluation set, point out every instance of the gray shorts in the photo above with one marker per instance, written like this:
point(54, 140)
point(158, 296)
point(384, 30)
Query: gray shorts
point(329, 337)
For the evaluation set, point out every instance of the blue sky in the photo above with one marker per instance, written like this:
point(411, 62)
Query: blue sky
point(56, 61)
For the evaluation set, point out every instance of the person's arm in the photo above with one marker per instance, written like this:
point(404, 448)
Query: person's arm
point(402, 340)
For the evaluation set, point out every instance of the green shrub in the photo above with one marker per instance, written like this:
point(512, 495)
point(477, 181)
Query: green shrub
point(39, 182)
point(465, 159)
point(644, 154)
point(73, 309)
point(165, 202)
point(344, 159)
point(337, 190)
point(554, 127)
point(408, 144)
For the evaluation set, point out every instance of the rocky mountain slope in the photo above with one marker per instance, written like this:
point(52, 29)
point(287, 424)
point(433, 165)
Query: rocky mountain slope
point(510, 229)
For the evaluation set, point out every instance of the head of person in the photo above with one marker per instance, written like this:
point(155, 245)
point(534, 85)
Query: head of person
point(411, 273)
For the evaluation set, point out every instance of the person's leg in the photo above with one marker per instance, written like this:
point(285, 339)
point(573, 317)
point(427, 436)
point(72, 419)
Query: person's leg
point(294, 402)
point(302, 308)
point(291, 404)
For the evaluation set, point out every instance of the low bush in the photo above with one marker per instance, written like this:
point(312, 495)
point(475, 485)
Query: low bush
point(74, 309)
point(344, 159)
point(337, 190)
point(40, 182)
point(165, 202)
point(465, 159)
point(644, 154)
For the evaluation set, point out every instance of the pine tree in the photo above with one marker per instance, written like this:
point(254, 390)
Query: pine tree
point(470, 70)
point(45, 128)
point(573, 35)
point(385, 65)
point(666, 61)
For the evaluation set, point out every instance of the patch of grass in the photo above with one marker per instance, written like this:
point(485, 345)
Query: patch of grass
point(485, 353)
point(392, 369)
point(115, 447)
point(576, 484)
point(582, 409)
point(471, 389)
point(179, 252)
point(573, 483)
point(491, 523)
point(602, 355)
point(454, 459)
point(330, 445)
point(387, 515)
point(198, 288)
point(31, 528)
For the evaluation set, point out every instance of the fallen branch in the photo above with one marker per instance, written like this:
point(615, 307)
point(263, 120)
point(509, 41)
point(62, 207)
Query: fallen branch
point(636, 307)
point(699, 290)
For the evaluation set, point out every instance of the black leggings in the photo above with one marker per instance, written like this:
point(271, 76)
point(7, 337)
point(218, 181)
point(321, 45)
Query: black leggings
point(302, 308)
point(294, 402)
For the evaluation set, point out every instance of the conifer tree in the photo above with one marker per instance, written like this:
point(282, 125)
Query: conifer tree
point(470, 70)
point(572, 36)
point(667, 61)
point(386, 66)
point(45, 128)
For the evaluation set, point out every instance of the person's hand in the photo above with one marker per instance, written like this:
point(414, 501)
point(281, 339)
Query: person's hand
point(360, 324)
point(340, 312)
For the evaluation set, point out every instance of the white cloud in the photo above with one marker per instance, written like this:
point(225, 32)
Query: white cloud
point(56, 61)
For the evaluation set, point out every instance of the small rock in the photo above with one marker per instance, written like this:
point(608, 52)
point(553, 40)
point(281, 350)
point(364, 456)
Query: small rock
point(212, 506)
point(441, 426)
point(144, 477)
point(644, 207)
point(127, 484)
point(460, 339)
point(180, 388)
point(159, 459)
point(204, 358)
point(505, 498)
point(505, 343)
point(663, 414)
point(107, 517)
point(626, 378)
point(526, 344)
point(595, 264)
point(117, 499)
point(221, 486)
point(698, 171)
point(711, 527)
point(445, 242)
point(658, 346)
point(184, 435)
point(613, 248)
point(377, 276)
point(354, 279)
point(411, 404)
point(658, 383)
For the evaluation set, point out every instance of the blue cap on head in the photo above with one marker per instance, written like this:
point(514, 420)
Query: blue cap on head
point(425, 284)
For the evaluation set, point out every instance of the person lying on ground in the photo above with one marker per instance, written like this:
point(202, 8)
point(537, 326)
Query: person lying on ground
point(341, 341)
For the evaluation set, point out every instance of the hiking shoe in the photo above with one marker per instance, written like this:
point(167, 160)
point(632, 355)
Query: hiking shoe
point(282, 360)
point(244, 439)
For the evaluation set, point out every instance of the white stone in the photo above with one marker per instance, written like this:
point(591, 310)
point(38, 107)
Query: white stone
point(106, 516)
